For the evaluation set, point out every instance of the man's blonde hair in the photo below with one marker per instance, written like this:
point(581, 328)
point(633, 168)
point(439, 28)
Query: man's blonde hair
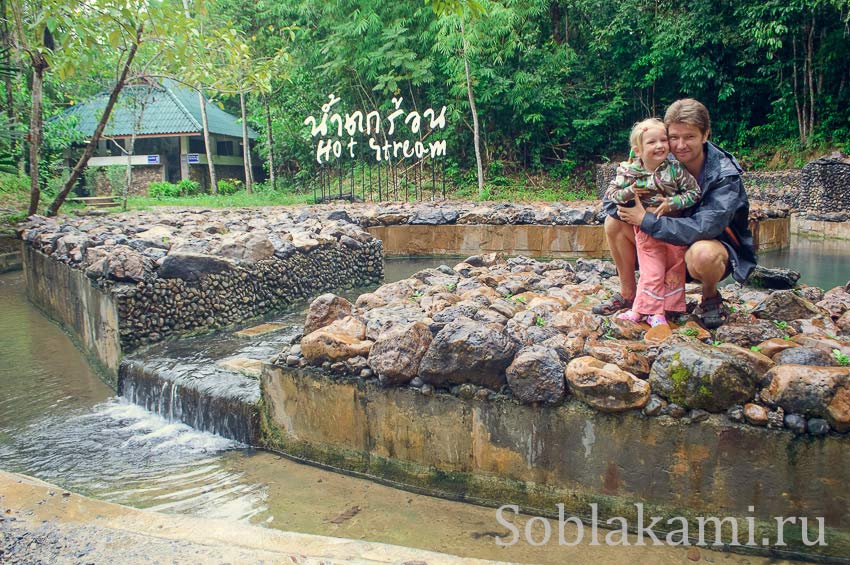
point(636, 137)
point(689, 111)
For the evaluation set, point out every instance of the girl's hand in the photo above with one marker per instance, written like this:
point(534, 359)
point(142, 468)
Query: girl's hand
point(664, 208)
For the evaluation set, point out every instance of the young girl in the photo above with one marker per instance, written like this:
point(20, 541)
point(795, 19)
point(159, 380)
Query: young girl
point(664, 187)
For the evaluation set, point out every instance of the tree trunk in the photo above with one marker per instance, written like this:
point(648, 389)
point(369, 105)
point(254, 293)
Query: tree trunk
point(202, 101)
point(270, 142)
point(131, 149)
point(809, 50)
point(475, 133)
point(39, 64)
point(801, 127)
point(246, 146)
point(89, 151)
point(210, 165)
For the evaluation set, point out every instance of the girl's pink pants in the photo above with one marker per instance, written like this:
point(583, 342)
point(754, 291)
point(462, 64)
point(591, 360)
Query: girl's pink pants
point(661, 285)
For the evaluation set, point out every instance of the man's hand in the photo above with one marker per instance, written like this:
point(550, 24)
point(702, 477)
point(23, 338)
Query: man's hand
point(634, 215)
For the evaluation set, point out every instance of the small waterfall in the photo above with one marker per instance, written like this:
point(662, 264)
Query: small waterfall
point(203, 397)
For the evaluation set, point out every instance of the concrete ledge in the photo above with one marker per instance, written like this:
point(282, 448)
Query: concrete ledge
point(500, 452)
point(532, 240)
point(819, 229)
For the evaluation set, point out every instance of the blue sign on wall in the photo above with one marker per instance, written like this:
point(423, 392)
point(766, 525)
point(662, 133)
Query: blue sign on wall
point(192, 158)
point(153, 159)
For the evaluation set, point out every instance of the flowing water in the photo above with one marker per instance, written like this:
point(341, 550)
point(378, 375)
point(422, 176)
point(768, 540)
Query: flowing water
point(60, 423)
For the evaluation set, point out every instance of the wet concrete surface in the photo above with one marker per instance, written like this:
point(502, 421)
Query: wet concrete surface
point(42, 523)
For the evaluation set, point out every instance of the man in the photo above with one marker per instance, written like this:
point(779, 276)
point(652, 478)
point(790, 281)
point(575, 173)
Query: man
point(716, 229)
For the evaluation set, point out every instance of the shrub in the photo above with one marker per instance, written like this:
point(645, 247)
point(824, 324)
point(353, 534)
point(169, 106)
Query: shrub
point(229, 186)
point(11, 184)
point(189, 187)
point(163, 190)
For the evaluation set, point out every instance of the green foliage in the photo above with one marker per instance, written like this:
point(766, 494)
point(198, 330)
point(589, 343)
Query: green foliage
point(690, 332)
point(189, 187)
point(781, 324)
point(557, 84)
point(238, 200)
point(230, 186)
point(11, 184)
point(841, 358)
point(161, 190)
point(540, 321)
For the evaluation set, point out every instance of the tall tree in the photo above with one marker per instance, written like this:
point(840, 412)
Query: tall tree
point(461, 9)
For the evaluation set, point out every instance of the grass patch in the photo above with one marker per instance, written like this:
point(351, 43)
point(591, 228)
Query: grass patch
point(238, 200)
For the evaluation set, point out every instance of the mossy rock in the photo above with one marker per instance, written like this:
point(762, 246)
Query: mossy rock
point(696, 375)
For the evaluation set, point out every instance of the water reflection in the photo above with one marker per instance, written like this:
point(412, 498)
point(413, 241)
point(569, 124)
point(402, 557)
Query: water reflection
point(821, 262)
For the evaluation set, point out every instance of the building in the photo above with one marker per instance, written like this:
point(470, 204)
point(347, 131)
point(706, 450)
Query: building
point(169, 144)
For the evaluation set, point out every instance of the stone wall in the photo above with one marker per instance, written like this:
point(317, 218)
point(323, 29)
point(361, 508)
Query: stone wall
point(825, 189)
point(153, 310)
point(143, 175)
point(768, 187)
point(168, 273)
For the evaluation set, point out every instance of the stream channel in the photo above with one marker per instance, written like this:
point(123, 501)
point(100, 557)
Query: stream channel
point(60, 423)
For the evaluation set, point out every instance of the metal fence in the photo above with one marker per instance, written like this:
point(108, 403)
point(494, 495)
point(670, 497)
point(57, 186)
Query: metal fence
point(380, 181)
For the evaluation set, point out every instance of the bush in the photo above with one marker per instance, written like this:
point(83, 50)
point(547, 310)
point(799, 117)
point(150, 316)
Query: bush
point(189, 187)
point(163, 190)
point(229, 186)
point(14, 184)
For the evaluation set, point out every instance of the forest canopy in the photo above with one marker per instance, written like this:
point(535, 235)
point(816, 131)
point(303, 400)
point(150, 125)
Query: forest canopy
point(556, 84)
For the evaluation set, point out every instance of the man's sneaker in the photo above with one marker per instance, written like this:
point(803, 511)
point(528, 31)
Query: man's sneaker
point(613, 304)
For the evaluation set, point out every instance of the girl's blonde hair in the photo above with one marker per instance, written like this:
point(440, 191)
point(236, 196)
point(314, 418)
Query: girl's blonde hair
point(640, 128)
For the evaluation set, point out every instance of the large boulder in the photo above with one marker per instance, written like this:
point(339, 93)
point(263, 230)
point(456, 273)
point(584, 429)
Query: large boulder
point(192, 266)
point(804, 356)
point(748, 334)
point(757, 361)
point(468, 352)
point(630, 356)
point(338, 341)
point(763, 277)
point(696, 375)
point(812, 391)
point(605, 386)
point(119, 263)
point(381, 319)
point(537, 375)
point(250, 247)
point(397, 353)
point(785, 305)
point(836, 302)
point(324, 310)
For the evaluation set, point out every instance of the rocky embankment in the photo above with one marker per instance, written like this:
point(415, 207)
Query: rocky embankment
point(171, 272)
point(520, 329)
point(443, 212)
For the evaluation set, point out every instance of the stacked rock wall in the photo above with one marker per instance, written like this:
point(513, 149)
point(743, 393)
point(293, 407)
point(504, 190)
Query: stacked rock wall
point(151, 311)
point(143, 175)
point(174, 272)
point(774, 188)
point(824, 189)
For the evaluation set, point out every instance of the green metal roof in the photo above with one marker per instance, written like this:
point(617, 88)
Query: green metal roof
point(165, 108)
